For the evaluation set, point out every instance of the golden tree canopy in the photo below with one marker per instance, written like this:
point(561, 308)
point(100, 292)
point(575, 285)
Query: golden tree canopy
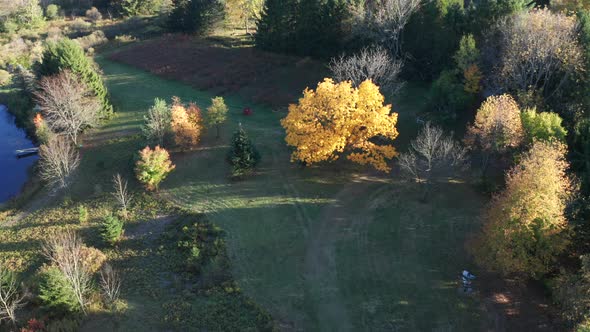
point(187, 124)
point(497, 125)
point(337, 117)
point(525, 226)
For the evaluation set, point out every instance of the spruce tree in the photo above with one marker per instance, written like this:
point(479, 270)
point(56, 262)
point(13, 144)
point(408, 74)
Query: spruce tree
point(305, 27)
point(308, 31)
point(67, 54)
point(276, 26)
point(243, 155)
point(111, 229)
point(196, 16)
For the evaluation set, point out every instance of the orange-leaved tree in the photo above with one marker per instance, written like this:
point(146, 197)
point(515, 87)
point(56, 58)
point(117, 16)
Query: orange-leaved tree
point(337, 118)
point(525, 226)
point(153, 166)
point(187, 123)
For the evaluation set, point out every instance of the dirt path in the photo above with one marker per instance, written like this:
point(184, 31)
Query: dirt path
point(321, 273)
point(516, 305)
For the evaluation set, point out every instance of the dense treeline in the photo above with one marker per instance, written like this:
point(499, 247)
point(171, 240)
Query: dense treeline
point(306, 27)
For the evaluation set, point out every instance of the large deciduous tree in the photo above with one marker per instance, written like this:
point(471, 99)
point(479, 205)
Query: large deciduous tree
point(383, 21)
point(525, 227)
point(338, 118)
point(497, 127)
point(539, 51)
point(67, 104)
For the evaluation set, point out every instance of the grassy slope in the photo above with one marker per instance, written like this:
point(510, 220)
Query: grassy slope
point(321, 248)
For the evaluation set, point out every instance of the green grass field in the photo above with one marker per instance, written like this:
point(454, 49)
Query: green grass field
point(330, 248)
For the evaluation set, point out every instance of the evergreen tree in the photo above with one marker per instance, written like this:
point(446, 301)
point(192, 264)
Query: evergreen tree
point(276, 26)
point(308, 30)
point(305, 27)
point(67, 54)
point(243, 155)
point(196, 16)
point(111, 229)
point(56, 293)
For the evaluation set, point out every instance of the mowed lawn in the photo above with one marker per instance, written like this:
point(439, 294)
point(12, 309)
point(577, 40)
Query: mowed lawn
point(333, 247)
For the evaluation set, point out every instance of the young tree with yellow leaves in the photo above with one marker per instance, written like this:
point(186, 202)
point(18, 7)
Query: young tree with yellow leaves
point(337, 118)
point(217, 113)
point(187, 124)
point(525, 227)
point(153, 166)
point(496, 129)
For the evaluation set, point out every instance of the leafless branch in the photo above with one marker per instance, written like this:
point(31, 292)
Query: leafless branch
point(66, 251)
point(121, 194)
point(58, 161)
point(67, 104)
point(432, 156)
point(110, 284)
point(370, 63)
point(384, 20)
point(12, 296)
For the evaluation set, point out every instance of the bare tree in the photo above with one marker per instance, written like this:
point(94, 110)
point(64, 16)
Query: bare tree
point(12, 296)
point(370, 63)
point(432, 156)
point(66, 251)
point(68, 105)
point(121, 194)
point(538, 50)
point(110, 284)
point(384, 20)
point(58, 161)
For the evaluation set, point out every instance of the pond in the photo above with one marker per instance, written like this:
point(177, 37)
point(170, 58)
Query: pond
point(13, 171)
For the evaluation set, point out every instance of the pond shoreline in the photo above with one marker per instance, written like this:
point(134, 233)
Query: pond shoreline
point(17, 172)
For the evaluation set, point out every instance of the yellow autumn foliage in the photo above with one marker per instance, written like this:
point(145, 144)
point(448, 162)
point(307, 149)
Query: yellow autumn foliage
point(338, 118)
point(525, 226)
point(497, 125)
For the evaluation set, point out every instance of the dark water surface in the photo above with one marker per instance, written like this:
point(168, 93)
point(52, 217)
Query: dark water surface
point(13, 171)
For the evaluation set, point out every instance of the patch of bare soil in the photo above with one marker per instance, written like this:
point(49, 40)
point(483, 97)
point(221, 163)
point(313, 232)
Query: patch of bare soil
point(150, 230)
point(514, 304)
point(258, 76)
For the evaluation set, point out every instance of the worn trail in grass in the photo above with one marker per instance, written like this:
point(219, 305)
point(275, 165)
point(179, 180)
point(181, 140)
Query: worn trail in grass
point(324, 248)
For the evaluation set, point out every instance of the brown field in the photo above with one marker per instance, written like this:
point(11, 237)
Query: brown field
point(258, 76)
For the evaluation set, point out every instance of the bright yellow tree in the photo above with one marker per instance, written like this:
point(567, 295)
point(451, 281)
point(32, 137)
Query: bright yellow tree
point(187, 124)
point(337, 118)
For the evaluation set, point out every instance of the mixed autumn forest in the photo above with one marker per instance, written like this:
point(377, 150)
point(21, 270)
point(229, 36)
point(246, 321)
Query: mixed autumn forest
point(294, 165)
